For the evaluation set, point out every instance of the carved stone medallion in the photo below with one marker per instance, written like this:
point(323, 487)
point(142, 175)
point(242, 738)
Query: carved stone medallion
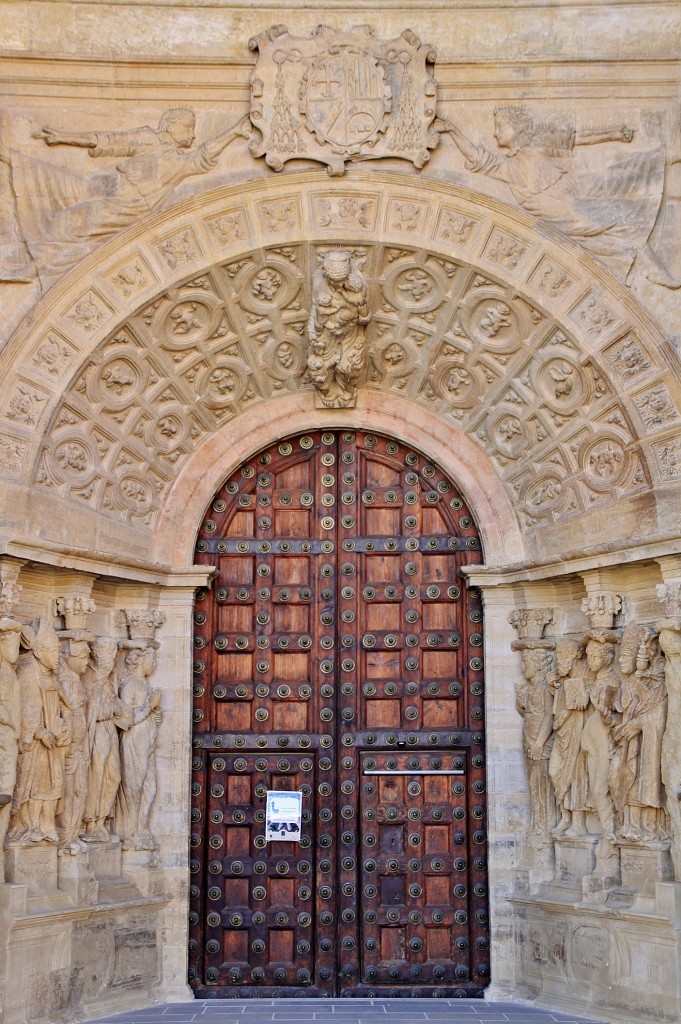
point(340, 96)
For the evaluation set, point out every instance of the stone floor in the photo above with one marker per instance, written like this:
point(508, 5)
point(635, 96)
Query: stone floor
point(343, 1011)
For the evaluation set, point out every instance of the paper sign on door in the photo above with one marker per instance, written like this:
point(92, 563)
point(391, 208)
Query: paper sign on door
point(283, 816)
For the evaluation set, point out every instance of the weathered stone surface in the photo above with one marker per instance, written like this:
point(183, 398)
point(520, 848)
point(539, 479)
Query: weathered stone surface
point(511, 309)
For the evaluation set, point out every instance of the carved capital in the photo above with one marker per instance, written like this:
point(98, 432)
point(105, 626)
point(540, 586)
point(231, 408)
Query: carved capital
point(73, 610)
point(601, 609)
point(530, 622)
point(142, 623)
point(10, 590)
point(670, 596)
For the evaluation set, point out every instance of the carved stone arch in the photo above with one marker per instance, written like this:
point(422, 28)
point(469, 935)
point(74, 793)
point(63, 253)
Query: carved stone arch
point(553, 386)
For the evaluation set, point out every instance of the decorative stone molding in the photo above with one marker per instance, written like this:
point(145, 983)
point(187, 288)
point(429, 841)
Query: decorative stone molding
point(478, 341)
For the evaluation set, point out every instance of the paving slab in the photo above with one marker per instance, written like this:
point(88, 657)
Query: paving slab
point(343, 1011)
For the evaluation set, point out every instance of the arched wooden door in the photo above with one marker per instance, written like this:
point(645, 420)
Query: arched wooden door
point(339, 655)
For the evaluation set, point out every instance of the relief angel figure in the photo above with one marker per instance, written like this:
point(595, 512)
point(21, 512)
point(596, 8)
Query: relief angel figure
point(611, 213)
point(63, 221)
point(339, 312)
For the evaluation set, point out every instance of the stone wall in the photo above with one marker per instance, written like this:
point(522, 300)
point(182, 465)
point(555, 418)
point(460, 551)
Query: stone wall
point(508, 219)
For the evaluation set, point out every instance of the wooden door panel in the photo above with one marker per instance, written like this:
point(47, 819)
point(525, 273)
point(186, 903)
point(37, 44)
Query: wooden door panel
point(334, 653)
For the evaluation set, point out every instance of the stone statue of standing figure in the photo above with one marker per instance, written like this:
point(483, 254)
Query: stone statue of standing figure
point(138, 742)
point(534, 702)
point(567, 764)
point(10, 713)
point(106, 714)
point(44, 736)
point(635, 771)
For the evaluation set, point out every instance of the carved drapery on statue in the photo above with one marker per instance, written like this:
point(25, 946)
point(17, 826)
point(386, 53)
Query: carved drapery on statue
point(534, 703)
point(43, 739)
point(138, 741)
point(10, 697)
point(670, 643)
point(78, 727)
point(336, 333)
point(606, 713)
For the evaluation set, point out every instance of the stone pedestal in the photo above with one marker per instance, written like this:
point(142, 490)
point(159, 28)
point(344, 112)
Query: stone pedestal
point(76, 877)
point(644, 866)
point(575, 859)
point(142, 867)
point(106, 859)
point(34, 865)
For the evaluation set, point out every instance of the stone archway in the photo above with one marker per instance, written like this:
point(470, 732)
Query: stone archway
point(498, 348)
point(186, 329)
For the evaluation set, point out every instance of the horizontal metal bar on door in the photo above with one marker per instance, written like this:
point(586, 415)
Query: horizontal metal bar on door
point(420, 771)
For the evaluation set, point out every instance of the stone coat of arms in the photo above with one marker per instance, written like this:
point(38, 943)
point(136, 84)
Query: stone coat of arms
point(339, 96)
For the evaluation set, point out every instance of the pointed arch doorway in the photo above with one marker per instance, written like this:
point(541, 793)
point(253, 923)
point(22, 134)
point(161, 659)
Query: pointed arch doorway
point(338, 655)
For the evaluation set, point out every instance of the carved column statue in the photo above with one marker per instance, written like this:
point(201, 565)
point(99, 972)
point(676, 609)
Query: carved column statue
point(74, 655)
point(635, 771)
point(45, 735)
point(106, 714)
point(670, 643)
point(138, 740)
point(534, 701)
point(567, 764)
point(603, 686)
point(10, 703)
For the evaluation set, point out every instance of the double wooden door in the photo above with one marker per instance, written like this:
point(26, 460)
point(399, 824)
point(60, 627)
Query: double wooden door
point(339, 654)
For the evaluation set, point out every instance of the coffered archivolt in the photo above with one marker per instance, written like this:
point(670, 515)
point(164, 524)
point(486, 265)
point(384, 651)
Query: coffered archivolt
point(196, 319)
